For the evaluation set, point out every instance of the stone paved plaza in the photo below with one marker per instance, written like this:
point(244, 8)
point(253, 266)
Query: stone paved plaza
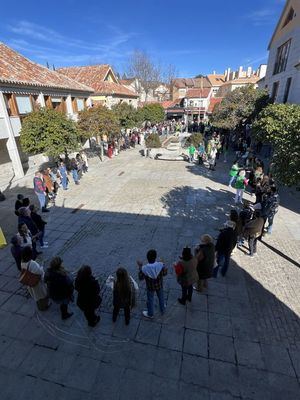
point(239, 340)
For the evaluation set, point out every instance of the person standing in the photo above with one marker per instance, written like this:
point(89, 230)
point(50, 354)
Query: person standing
point(16, 250)
point(201, 153)
point(233, 173)
point(212, 157)
point(153, 273)
point(19, 203)
point(240, 185)
point(88, 299)
point(39, 291)
point(252, 231)
point(74, 171)
point(271, 207)
point(205, 254)
point(191, 151)
point(224, 246)
point(62, 170)
point(40, 224)
point(186, 271)
point(124, 295)
point(60, 286)
point(40, 190)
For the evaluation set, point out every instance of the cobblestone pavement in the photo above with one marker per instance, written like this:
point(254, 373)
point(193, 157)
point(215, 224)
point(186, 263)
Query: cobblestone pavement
point(240, 340)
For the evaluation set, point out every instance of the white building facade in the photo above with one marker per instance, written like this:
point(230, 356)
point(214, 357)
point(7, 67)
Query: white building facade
point(282, 79)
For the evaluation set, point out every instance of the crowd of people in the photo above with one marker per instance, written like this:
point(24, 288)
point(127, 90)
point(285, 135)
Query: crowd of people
point(194, 267)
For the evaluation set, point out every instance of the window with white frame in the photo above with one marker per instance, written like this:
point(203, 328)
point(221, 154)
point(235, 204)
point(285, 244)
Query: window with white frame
point(80, 104)
point(24, 104)
point(282, 57)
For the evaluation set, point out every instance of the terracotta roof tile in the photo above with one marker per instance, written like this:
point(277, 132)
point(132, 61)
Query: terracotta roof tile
point(198, 93)
point(213, 102)
point(216, 79)
point(94, 76)
point(16, 69)
point(170, 103)
point(191, 82)
point(251, 80)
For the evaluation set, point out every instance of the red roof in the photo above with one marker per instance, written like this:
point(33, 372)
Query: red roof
point(197, 93)
point(170, 103)
point(17, 69)
point(191, 82)
point(94, 76)
point(213, 102)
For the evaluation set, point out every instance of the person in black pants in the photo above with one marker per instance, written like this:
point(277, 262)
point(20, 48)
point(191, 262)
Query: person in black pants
point(89, 298)
point(123, 295)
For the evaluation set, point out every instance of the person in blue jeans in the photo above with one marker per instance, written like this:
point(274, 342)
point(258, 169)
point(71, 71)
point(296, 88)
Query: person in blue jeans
point(153, 273)
point(225, 244)
point(74, 170)
point(63, 175)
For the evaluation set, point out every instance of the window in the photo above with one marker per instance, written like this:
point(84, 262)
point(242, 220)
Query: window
point(282, 57)
point(80, 104)
point(24, 104)
point(56, 102)
point(191, 103)
point(287, 90)
point(274, 91)
point(289, 17)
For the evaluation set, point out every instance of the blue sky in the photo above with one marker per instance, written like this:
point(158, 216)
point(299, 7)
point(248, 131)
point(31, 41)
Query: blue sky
point(197, 36)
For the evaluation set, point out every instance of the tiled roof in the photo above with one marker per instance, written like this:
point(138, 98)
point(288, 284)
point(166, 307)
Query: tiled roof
point(183, 83)
point(94, 76)
point(216, 79)
point(250, 80)
point(126, 81)
point(170, 103)
point(16, 69)
point(213, 102)
point(197, 93)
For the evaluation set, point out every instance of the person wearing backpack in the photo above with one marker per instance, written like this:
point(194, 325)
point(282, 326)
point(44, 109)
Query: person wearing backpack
point(186, 271)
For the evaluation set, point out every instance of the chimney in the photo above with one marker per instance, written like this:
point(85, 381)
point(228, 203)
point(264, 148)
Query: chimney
point(214, 72)
point(249, 72)
point(240, 73)
point(228, 75)
point(233, 75)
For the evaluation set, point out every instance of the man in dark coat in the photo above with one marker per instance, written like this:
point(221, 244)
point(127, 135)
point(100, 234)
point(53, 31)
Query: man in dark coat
point(225, 244)
point(252, 231)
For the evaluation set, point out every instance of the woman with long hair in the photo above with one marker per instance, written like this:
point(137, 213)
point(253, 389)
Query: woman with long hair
point(89, 298)
point(123, 294)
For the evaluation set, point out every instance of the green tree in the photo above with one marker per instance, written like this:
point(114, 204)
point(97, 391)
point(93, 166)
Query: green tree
point(126, 114)
point(239, 107)
point(153, 141)
point(279, 124)
point(151, 112)
point(97, 121)
point(48, 131)
point(195, 139)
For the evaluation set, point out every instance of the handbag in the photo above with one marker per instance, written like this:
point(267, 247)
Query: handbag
point(28, 278)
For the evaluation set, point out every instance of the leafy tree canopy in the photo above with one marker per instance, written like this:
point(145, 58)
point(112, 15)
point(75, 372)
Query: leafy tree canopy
point(152, 112)
point(126, 114)
point(97, 121)
point(240, 106)
point(153, 141)
point(48, 131)
point(279, 124)
point(195, 139)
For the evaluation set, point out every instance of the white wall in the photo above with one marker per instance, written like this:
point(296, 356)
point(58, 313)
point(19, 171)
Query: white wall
point(291, 71)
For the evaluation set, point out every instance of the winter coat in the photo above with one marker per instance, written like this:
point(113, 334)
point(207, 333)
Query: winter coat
point(60, 285)
point(254, 227)
point(226, 241)
point(38, 220)
point(188, 274)
point(88, 293)
point(30, 224)
point(206, 264)
point(39, 291)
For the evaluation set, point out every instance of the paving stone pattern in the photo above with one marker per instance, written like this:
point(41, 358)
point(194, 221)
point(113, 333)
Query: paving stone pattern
point(238, 340)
